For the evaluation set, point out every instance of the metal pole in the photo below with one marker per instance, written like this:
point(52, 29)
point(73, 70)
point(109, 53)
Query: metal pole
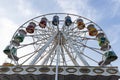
point(58, 56)
point(57, 63)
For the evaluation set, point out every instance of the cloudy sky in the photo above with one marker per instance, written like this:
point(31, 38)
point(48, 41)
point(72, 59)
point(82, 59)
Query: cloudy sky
point(106, 13)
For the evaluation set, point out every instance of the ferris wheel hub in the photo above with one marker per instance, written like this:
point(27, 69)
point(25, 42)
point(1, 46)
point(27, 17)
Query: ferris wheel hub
point(59, 38)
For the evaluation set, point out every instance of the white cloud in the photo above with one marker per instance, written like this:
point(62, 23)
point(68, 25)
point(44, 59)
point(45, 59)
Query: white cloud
point(26, 8)
point(67, 6)
point(115, 4)
point(7, 30)
point(10, 16)
point(113, 34)
point(81, 7)
point(1, 11)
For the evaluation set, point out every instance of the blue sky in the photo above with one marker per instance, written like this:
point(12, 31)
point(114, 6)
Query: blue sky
point(106, 13)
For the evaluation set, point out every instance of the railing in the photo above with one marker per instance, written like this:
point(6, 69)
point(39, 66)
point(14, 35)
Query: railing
point(51, 70)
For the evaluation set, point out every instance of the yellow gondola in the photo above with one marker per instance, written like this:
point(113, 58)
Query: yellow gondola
point(8, 64)
point(92, 30)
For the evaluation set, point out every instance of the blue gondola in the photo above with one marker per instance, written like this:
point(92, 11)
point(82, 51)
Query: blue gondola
point(55, 20)
point(68, 21)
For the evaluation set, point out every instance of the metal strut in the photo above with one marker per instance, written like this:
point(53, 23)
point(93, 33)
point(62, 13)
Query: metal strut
point(58, 55)
point(40, 52)
point(85, 63)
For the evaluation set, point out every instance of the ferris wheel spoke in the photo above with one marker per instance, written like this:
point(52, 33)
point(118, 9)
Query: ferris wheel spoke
point(35, 42)
point(76, 33)
point(27, 58)
point(71, 57)
point(76, 40)
point(77, 52)
point(90, 58)
point(84, 54)
point(91, 48)
point(82, 38)
point(50, 29)
point(32, 54)
point(26, 55)
point(67, 46)
point(49, 54)
point(46, 34)
point(42, 49)
point(46, 54)
point(34, 45)
point(37, 35)
point(52, 58)
point(95, 49)
point(63, 56)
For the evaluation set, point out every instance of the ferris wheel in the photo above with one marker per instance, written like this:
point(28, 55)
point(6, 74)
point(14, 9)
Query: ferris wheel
point(59, 46)
point(60, 39)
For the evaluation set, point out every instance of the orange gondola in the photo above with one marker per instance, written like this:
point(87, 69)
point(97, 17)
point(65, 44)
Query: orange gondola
point(80, 24)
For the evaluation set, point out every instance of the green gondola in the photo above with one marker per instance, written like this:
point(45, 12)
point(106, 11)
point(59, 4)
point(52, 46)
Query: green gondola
point(110, 56)
point(10, 50)
point(19, 37)
point(103, 41)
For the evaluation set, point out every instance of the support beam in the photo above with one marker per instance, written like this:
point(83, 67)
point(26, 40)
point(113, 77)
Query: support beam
point(58, 51)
